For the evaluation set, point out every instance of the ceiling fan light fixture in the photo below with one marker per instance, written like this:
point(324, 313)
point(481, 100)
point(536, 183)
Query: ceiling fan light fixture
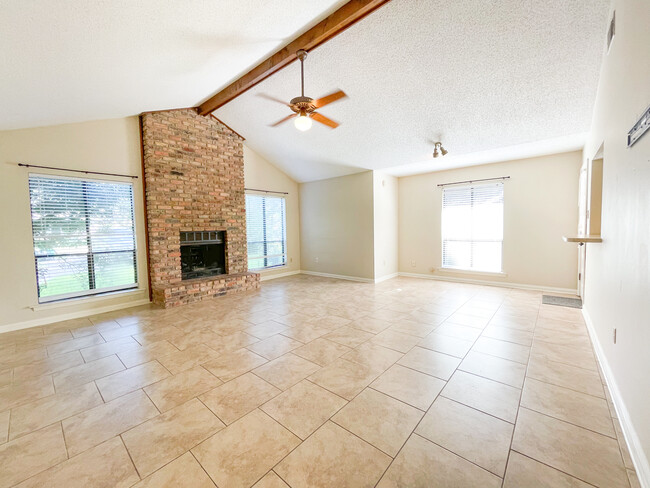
point(303, 122)
point(304, 108)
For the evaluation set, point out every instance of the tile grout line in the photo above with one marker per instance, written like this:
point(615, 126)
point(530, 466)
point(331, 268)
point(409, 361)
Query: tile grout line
point(413, 431)
point(476, 294)
point(129, 454)
point(197, 462)
point(512, 437)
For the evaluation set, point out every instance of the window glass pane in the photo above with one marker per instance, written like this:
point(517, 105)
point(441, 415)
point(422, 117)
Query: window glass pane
point(256, 263)
point(111, 216)
point(275, 261)
point(274, 248)
point(457, 254)
point(255, 220)
point(266, 231)
point(114, 269)
point(486, 256)
point(62, 275)
point(487, 222)
point(84, 235)
point(255, 249)
point(58, 216)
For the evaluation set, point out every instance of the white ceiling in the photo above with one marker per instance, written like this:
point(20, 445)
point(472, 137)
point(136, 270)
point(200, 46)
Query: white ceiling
point(494, 79)
point(75, 60)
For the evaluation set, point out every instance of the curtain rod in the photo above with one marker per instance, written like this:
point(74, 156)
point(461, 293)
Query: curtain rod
point(75, 170)
point(267, 191)
point(475, 181)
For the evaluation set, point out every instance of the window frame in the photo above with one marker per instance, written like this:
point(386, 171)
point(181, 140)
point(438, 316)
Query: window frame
point(285, 254)
point(92, 291)
point(501, 271)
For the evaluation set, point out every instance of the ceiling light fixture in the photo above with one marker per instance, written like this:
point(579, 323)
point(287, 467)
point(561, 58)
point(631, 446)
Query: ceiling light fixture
point(303, 121)
point(304, 108)
point(438, 150)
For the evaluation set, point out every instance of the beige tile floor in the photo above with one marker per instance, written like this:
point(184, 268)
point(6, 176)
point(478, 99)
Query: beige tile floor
point(312, 382)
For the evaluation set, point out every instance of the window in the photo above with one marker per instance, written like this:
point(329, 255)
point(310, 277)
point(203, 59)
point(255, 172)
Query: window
point(84, 236)
point(266, 231)
point(472, 227)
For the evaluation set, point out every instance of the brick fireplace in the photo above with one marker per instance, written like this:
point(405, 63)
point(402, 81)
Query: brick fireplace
point(194, 181)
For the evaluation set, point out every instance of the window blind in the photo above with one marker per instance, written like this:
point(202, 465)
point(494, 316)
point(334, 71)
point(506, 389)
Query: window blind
point(472, 227)
point(84, 236)
point(266, 231)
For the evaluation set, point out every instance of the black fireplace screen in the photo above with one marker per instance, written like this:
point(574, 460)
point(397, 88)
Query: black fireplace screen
point(203, 254)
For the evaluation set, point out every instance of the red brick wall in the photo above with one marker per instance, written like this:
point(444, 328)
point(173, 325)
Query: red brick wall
point(191, 291)
point(194, 174)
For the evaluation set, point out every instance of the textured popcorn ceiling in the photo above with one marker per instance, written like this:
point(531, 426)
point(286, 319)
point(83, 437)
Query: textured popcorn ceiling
point(495, 79)
point(75, 60)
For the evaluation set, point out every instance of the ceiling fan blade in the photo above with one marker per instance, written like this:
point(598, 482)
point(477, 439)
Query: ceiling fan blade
point(273, 99)
point(333, 97)
point(324, 120)
point(283, 120)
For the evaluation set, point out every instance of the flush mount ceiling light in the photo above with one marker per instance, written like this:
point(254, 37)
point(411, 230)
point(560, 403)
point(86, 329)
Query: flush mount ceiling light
point(439, 150)
point(304, 108)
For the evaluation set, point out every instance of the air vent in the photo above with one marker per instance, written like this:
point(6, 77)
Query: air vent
point(612, 31)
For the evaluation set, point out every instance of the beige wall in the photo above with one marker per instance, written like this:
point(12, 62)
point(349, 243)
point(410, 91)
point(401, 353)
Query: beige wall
point(262, 175)
point(617, 278)
point(385, 195)
point(107, 146)
point(336, 222)
point(540, 206)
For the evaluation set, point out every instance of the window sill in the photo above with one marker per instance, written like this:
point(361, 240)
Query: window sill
point(472, 272)
point(84, 300)
point(272, 268)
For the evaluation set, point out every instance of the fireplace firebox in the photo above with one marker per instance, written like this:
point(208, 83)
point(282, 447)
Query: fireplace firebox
point(203, 254)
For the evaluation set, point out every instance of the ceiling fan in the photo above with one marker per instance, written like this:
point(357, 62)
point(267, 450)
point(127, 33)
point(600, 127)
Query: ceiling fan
point(304, 108)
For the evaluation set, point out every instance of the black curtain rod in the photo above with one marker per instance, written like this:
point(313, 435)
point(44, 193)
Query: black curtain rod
point(475, 181)
point(267, 191)
point(76, 170)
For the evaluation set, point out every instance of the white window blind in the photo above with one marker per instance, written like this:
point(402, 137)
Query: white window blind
point(266, 231)
point(84, 236)
point(472, 227)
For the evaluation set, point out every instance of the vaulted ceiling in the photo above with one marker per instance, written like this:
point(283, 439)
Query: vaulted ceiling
point(490, 78)
point(494, 79)
point(75, 60)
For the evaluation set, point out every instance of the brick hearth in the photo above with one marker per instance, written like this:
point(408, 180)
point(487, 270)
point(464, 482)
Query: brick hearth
point(194, 177)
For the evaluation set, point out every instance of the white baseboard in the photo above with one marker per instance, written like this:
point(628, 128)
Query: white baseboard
point(387, 277)
point(340, 277)
point(71, 315)
point(503, 284)
point(267, 277)
point(633, 442)
point(330, 275)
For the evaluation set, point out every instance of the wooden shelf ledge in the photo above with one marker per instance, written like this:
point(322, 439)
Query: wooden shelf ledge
point(582, 239)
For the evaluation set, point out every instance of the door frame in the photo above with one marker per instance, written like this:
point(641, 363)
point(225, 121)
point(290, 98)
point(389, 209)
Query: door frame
point(583, 210)
point(584, 206)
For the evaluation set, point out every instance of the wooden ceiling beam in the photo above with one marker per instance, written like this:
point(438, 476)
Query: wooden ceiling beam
point(344, 17)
